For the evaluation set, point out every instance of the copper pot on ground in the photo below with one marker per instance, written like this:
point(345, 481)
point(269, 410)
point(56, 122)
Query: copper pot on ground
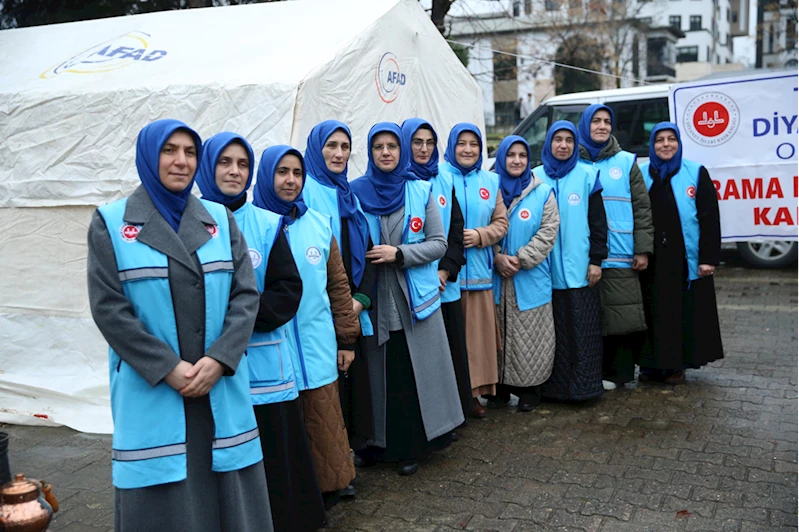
point(27, 505)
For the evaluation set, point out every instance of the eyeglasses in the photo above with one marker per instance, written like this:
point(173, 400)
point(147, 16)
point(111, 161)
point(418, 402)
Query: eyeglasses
point(390, 146)
point(418, 143)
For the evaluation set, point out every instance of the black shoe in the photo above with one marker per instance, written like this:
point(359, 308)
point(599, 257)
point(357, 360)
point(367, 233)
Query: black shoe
point(348, 492)
point(363, 461)
point(407, 467)
point(331, 498)
point(454, 436)
point(496, 401)
point(528, 401)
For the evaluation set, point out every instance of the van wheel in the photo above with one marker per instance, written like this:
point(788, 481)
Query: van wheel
point(768, 254)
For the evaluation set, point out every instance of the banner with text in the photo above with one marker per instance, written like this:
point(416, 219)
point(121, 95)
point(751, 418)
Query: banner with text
point(744, 131)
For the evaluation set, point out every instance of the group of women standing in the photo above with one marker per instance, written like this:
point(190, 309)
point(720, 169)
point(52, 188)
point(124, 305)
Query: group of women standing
point(260, 343)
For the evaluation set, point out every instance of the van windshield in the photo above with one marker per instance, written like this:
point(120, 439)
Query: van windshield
point(534, 129)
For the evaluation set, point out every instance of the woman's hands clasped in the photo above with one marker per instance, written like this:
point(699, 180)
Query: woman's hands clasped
point(506, 265)
point(195, 380)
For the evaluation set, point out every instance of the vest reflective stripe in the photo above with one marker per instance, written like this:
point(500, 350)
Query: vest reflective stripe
point(149, 422)
point(324, 199)
point(614, 174)
point(442, 195)
point(143, 273)
point(268, 353)
point(477, 196)
point(534, 286)
point(235, 441)
point(569, 257)
point(314, 349)
point(421, 281)
point(146, 454)
point(684, 185)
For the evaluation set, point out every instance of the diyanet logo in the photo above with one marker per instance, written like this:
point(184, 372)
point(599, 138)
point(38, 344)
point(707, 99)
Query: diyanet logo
point(125, 50)
point(388, 77)
point(711, 119)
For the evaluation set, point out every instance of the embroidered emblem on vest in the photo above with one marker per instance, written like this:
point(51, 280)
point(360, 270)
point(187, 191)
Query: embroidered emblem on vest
point(691, 191)
point(255, 257)
point(313, 255)
point(574, 199)
point(129, 233)
point(484, 193)
point(213, 230)
point(615, 172)
point(524, 215)
point(416, 224)
point(442, 200)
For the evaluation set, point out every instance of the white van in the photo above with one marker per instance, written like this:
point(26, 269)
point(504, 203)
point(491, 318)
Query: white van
point(637, 110)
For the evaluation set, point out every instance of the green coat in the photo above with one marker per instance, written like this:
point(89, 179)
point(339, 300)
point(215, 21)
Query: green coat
point(620, 290)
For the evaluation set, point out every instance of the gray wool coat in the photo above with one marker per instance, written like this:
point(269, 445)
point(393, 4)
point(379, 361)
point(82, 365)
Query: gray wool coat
point(205, 501)
point(427, 339)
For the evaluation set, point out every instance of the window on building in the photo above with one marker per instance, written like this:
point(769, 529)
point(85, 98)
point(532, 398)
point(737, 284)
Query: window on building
point(504, 67)
point(528, 7)
point(552, 5)
point(646, 20)
point(636, 59)
point(735, 17)
point(575, 5)
point(517, 9)
point(696, 22)
point(790, 34)
point(675, 21)
point(687, 54)
point(708, 58)
point(504, 114)
point(728, 14)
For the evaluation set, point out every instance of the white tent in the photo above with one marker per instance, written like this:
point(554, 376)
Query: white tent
point(74, 96)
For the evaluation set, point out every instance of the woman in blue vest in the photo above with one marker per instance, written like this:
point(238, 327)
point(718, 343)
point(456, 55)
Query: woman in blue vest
point(225, 173)
point(171, 288)
point(575, 261)
point(522, 278)
point(630, 235)
point(421, 137)
point(325, 329)
point(414, 393)
point(328, 191)
point(485, 222)
point(679, 291)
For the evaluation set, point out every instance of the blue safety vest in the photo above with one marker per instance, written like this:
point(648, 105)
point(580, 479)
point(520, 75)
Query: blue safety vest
point(421, 281)
point(570, 255)
point(268, 353)
point(149, 443)
point(477, 196)
point(614, 173)
point(312, 332)
point(324, 199)
point(684, 184)
point(534, 286)
point(442, 195)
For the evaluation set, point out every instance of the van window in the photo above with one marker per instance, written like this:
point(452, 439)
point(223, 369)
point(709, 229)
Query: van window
point(535, 129)
point(635, 120)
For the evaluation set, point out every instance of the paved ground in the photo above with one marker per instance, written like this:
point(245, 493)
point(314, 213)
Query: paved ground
point(718, 453)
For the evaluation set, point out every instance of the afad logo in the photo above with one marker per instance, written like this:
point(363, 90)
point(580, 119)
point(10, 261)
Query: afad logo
point(484, 193)
point(111, 55)
point(416, 224)
point(388, 77)
point(711, 119)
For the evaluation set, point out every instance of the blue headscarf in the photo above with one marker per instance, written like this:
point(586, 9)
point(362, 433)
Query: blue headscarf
point(449, 154)
point(206, 171)
point(151, 139)
point(264, 195)
point(430, 168)
point(585, 128)
point(347, 204)
point(381, 192)
point(665, 168)
point(555, 168)
point(512, 186)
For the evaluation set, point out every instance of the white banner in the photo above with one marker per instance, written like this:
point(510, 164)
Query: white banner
point(744, 131)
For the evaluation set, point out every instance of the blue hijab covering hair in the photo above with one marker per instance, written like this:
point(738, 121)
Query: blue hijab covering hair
point(430, 168)
point(151, 139)
point(347, 204)
point(264, 195)
point(206, 171)
point(381, 192)
point(512, 186)
point(555, 168)
point(665, 168)
point(449, 154)
point(584, 127)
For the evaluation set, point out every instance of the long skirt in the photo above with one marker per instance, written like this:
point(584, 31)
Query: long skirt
point(206, 501)
point(577, 374)
point(356, 398)
point(294, 492)
point(482, 340)
point(330, 449)
point(456, 335)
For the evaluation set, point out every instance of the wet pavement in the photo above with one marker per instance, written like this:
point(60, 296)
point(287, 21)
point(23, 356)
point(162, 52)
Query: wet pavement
point(717, 453)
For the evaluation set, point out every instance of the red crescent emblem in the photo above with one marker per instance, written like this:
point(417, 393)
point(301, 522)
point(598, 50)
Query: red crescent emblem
point(691, 191)
point(416, 224)
point(213, 230)
point(484, 193)
point(129, 233)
